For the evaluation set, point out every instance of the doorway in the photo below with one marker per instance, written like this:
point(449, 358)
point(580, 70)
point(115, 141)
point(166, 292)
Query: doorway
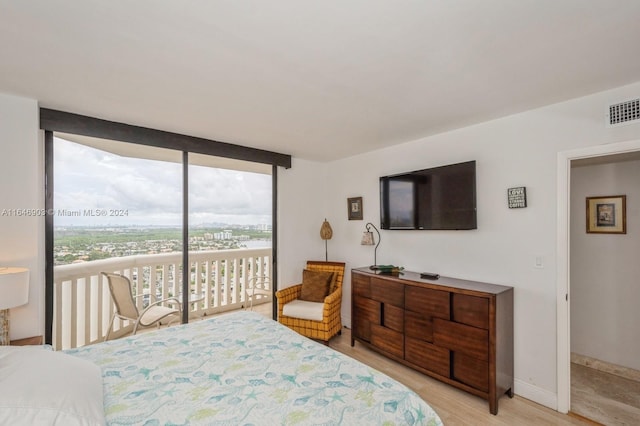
point(565, 161)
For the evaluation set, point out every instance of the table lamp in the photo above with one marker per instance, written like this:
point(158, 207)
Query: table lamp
point(14, 291)
point(369, 240)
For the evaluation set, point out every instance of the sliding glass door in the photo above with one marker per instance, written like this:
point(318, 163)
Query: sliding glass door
point(230, 231)
point(146, 177)
point(142, 212)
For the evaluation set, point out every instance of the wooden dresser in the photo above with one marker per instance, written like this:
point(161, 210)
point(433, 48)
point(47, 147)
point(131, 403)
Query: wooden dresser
point(457, 331)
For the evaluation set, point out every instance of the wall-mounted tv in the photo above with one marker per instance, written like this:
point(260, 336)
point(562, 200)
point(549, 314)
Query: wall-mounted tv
point(436, 198)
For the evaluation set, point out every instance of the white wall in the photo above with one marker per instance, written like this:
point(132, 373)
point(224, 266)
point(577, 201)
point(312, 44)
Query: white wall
point(21, 187)
point(605, 269)
point(520, 150)
point(301, 211)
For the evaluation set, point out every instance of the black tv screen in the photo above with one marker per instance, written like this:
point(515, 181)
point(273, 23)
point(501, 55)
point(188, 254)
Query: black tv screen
point(436, 198)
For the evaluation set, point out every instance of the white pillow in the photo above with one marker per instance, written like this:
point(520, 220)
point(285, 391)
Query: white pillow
point(42, 387)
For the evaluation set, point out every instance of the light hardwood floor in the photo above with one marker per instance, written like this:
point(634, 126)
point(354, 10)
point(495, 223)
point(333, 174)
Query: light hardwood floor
point(604, 397)
point(454, 406)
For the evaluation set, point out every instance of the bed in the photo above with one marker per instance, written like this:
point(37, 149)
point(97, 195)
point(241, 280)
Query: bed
point(244, 369)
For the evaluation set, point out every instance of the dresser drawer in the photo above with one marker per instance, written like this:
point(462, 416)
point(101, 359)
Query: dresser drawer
point(360, 285)
point(469, 340)
point(470, 310)
point(428, 302)
point(367, 312)
point(388, 340)
point(386, 291)
point(367, 309)
point(471, 371)
point(427, 356)
point(393, 317)
point(418, 326)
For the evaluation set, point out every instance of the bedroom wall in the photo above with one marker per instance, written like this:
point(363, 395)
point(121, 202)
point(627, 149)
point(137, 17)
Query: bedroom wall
point(519, 150)
point(301, 211)
point(21, 187)
point(605, 269)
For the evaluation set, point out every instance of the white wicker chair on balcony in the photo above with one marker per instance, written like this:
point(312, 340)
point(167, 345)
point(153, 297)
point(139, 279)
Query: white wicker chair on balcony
point(126, 309)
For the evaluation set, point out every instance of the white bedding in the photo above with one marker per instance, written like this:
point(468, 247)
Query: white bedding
point(244, 369)
point(42, 387)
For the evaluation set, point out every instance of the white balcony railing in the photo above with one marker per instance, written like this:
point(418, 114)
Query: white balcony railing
point(83, 305)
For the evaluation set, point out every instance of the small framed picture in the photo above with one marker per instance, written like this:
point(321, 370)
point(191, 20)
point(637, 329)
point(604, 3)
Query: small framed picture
point(517, 197)
point(607, 215)
point(354, 206)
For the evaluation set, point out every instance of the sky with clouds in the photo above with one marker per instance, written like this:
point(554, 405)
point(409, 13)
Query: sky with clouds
point(150, 192)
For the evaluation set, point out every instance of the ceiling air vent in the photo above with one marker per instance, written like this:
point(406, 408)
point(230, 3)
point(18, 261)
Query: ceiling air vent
point(622, 113)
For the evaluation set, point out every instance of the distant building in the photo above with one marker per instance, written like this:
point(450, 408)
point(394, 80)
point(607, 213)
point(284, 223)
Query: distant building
point(224, 235)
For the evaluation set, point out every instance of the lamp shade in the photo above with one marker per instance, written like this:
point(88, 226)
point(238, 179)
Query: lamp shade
point(367, 238)
point(325, 231)
point(14, 287)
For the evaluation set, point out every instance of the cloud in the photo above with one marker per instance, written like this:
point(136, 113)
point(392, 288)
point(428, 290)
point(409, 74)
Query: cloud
point(229, 192)
point(151, 191)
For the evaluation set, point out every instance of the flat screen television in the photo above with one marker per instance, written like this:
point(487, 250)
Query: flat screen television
point(436, 198)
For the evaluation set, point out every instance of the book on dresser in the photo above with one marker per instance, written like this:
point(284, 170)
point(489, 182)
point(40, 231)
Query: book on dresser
point(457, 331)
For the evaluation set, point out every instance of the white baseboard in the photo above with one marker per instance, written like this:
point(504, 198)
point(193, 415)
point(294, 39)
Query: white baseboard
point(541, 396)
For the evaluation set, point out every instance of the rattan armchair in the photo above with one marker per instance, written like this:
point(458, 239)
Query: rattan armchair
point(331, 323)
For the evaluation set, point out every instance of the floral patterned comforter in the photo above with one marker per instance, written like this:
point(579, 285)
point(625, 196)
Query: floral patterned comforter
point(244, 369)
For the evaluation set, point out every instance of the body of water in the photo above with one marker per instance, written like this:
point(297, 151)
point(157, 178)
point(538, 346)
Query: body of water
point(256, 243)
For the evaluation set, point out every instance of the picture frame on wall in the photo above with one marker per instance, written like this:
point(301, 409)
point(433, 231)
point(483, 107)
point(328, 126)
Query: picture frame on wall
point(607, 214)
point(354, 208)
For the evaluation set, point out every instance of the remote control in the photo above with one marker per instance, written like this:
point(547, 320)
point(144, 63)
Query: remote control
point(429, 276)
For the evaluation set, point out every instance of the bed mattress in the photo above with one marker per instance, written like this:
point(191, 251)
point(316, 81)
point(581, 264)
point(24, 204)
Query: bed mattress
point(244, 369)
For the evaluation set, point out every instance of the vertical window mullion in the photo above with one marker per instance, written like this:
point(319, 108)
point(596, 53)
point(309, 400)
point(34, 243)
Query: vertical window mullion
point(48, 236)
point(186, 263)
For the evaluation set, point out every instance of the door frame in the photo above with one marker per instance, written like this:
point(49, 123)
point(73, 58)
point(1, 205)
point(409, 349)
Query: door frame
point(563, 361)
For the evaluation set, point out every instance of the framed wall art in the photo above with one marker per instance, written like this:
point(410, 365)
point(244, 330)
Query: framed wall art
point(607, 215)
point(354, 206)
point(517, 197)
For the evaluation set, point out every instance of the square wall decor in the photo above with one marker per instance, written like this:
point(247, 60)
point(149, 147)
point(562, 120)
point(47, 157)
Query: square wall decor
point(607, 215)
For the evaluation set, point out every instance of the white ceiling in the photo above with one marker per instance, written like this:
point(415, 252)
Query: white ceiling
point(319, 80)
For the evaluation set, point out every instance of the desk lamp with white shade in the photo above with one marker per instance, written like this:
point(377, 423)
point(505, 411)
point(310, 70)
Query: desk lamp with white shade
point(14, 292)
point(369, 240)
